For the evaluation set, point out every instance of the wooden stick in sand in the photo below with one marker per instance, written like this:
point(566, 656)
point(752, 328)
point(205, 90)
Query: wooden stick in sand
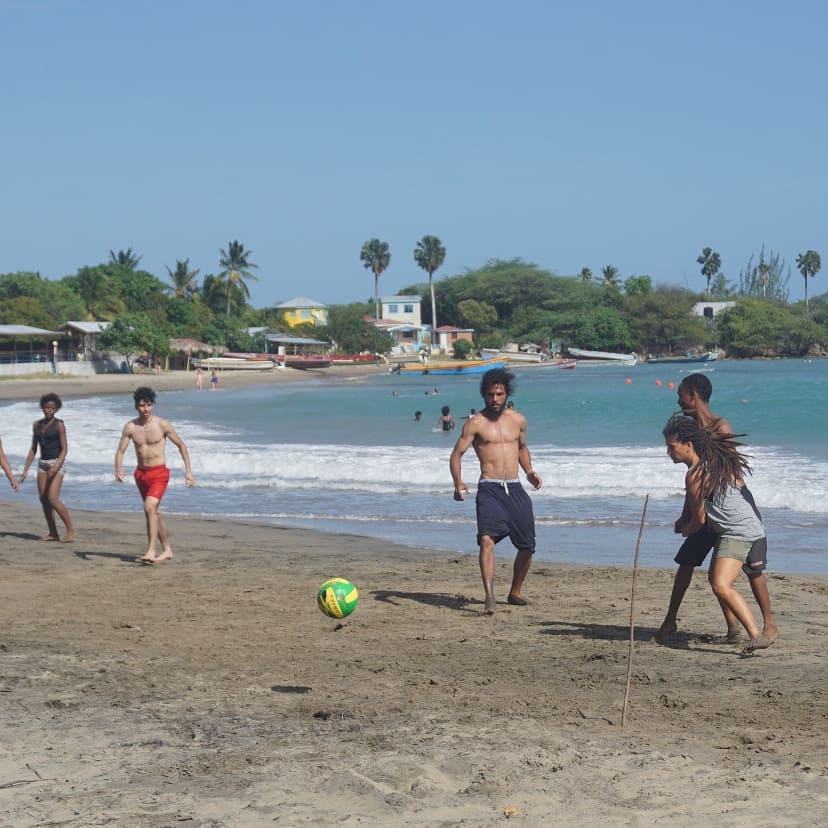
point(632, 614)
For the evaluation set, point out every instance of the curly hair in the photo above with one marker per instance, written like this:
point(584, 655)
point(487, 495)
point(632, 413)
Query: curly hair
point(51, 398)
point(143, 394)
point(720, 460)
point(497, 376)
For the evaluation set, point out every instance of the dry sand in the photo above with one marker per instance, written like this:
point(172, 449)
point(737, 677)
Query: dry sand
point(14, 388)
point(210, 691)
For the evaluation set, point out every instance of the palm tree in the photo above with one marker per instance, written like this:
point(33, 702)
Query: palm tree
point(429, 255)
point(376, 256)
point(235, 270)
point(182, 279)
point(710, 262)
point(809, 264)
point(585, 274)
point(125, 258)
point(610, 275)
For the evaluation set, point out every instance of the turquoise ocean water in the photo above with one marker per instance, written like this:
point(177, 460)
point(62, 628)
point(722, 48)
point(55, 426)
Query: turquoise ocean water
point(344, 454)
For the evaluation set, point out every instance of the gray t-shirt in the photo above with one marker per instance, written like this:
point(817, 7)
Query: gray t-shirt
point(730, 515)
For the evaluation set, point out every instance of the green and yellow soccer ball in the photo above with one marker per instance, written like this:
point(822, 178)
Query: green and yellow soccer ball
point(337, 598)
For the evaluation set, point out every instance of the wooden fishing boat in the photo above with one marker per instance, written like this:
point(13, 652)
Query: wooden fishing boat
point(710, 356)
point(456, 368)
point(602, 357)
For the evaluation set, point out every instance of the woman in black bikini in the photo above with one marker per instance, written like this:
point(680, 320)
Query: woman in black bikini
point(49, 436)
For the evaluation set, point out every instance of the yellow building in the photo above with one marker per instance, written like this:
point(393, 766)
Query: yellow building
point(303, 311)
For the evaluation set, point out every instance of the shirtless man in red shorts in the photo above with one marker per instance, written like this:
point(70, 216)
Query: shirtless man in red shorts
point(149, 435)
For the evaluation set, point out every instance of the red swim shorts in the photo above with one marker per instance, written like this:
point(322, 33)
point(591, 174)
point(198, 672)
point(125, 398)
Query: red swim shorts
point(152, 481)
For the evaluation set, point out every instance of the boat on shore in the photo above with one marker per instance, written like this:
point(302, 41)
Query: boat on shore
point(236, 362)
point(303, 361)
point(586, 357)
point(469, 366)
point(516, 357)
point(709, 356)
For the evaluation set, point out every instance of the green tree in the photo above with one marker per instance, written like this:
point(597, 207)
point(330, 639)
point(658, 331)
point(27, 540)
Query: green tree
point(611, 278)
point(183, 282)
point(663, 322)
point(711, 263)
point(430, 255)
point(638, 285)
point(97, 291)
point(125, 258)
point(808, 264)
point(236, 270)
point(586, 275)
point(138, 291)
point(25, 310)
point(479, 316)
point(351, 334)
point(56, 299)
point(760, 328)
point(376, 256)
point(132, 334)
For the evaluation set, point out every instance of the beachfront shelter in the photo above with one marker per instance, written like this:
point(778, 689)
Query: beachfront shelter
point(83, 338)
point(25, 344)
point(287, 345)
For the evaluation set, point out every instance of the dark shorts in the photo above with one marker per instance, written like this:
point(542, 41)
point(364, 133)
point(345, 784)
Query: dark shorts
point(505, 510)
point(696, 546)
point(152, 481)
point(757, 559)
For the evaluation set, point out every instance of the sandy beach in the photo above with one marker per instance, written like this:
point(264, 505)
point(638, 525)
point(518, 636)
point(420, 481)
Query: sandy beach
point(16, 388)
point(210, 691)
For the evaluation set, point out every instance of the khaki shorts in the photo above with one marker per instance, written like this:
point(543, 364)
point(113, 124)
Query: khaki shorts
point(753, 554)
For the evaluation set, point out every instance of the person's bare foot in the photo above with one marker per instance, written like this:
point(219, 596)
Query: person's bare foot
point(166, 555)
point(516, 600)
point(755, 644)
point(50, 538)
point(770, 631)
point(148, 557)
point(489, 607)
point(665, 632)
point(733, 637)
point(69, 536)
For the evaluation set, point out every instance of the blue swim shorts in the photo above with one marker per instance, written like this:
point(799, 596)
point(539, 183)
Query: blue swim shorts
point(505, 510)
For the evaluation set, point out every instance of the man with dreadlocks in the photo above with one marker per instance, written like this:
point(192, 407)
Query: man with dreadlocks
point(694, 393)
point(715, 475)
point(498, 435)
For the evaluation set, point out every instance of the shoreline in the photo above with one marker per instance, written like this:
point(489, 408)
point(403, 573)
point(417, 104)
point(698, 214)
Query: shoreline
point(22, 388)
point(211, 688)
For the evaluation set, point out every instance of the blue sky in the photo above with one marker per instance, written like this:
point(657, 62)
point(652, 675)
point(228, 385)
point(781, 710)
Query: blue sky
point(568, 134)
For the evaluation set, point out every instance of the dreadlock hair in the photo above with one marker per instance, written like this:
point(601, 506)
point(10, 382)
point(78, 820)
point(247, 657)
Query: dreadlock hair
point(721, 461)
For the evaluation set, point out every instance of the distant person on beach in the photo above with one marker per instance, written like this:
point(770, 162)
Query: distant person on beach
point(471, 413)
point(445, 420)
point(418, 415)
point(694, 393)
point(214, 380)
point(199, 378)
point(498, 436)
point(715, 476)
point(49, 438)
point(4, 464)
point(149, 434)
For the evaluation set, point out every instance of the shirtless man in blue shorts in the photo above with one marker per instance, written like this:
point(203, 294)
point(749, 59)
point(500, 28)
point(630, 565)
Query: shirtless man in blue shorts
point(498, 436)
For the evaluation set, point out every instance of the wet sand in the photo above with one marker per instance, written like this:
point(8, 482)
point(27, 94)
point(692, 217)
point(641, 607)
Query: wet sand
point(210, 690)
